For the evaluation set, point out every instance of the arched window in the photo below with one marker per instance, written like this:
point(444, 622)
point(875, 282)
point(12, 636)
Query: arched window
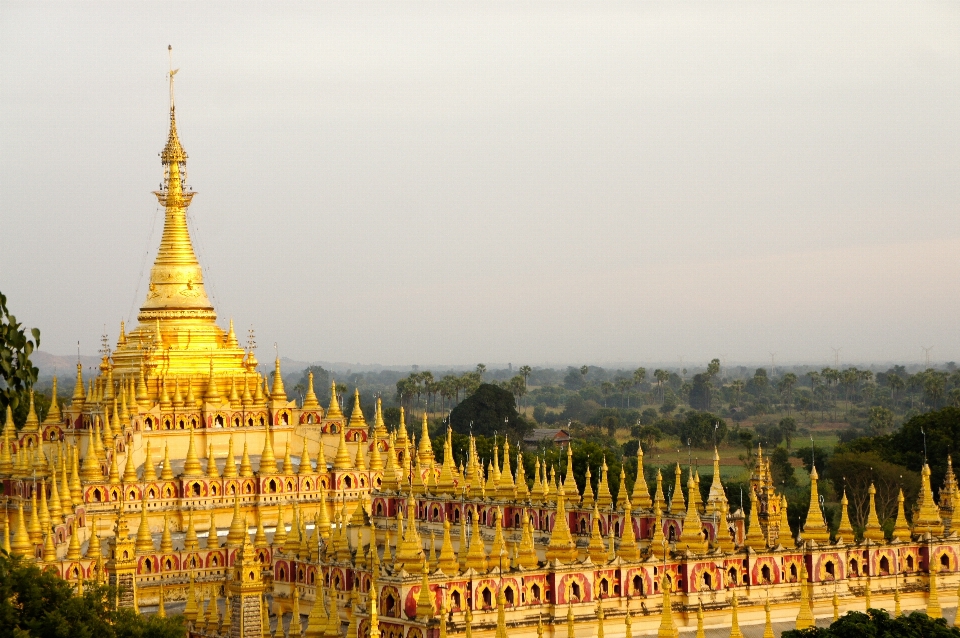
point(575, 591)
point(910, 562)
point(884, 566)
point(944, 561)
point(535, 593)
point(348, 482)
point(637, 585)
point(854, 568)
point(765, 574)
point(732, 576)
point(455, 597)
point(708, 579)
point(508, 595)
point(487, 597)
point(793, 573)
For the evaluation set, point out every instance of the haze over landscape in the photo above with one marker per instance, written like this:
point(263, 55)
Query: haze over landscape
point(541, 184)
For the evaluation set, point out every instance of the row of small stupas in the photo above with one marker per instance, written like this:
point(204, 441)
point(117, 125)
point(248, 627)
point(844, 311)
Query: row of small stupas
point(137, 482)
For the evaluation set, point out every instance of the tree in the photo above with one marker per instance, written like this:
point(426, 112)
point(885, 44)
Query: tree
point(661, 376)
point(857, 470)
point(781, 469)
point(788, 427)
point(701, 392)
point(877, 623)
point(880, 420)
point(701, 428)
point(16, 370)
point(713, 368)
point(489, 410)
point(639, 375)
point(40, 604)
point(649, 434)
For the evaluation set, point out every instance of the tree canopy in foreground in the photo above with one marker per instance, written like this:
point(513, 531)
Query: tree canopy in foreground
point(39, 604)
point(877, 623)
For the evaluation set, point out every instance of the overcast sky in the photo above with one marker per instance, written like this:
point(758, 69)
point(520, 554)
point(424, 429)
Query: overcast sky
point(455, 182)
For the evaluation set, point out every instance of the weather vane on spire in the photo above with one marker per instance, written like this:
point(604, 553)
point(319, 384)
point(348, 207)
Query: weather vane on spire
point(173, 72)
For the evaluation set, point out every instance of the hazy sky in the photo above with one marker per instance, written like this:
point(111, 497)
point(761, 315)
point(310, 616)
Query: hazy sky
point(454, 182)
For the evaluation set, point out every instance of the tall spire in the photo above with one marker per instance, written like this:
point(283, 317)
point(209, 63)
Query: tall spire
point(176, 280)
point(814, 528)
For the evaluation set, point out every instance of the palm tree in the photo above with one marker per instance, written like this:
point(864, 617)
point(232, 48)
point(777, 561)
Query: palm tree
point(737, 386)
point(661, 376)
point(624, 384)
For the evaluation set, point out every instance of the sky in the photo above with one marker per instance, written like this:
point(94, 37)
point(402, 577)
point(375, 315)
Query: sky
point(536, 183)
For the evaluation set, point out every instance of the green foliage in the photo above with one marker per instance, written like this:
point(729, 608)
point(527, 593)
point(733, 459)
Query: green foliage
point(877, 623)
point(855, 471)
point(808, 456)
point(700, 392)
point(489, 410)
point(38, 604)
point(16, 370)
point(781, 469)
point(701, 429)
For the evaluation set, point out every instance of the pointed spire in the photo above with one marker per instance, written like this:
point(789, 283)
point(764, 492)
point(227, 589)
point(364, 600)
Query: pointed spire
point(629, 549)
point(425, 606)
point(190, 540)
point(767, 625)
point(238, 526)
point(814, 528)
point(79, 396)
point(295, 629)
point(166, 541)
point(595, 550)
point(212, 471)
point(268, 462)
point(230, 462)
point(342, 460)
point(805, 615)
point(734, 620)
point(277, 392)
point(561, 546)
point(845, 531)
point(304, 467)
point(448, 558)
point(161, 611)
point(836, 603)
point(287, 461)
point(668, 628)
point(901, 529)
point(149, 471)
point(280, 534)
point(191, 465)
point(246, 469)
point(333, 411)
point(144, 543)
point(927, 516)
point(310, 401)
point(755, 539)
point(873, 530)
point(692, 537)
point(933, 598)
point(166, 473)
point(476, 553)
point(190, 610)
point(32, 423)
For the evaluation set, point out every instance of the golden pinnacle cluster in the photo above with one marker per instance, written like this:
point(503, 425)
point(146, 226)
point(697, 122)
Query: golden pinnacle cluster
point(184, 477)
